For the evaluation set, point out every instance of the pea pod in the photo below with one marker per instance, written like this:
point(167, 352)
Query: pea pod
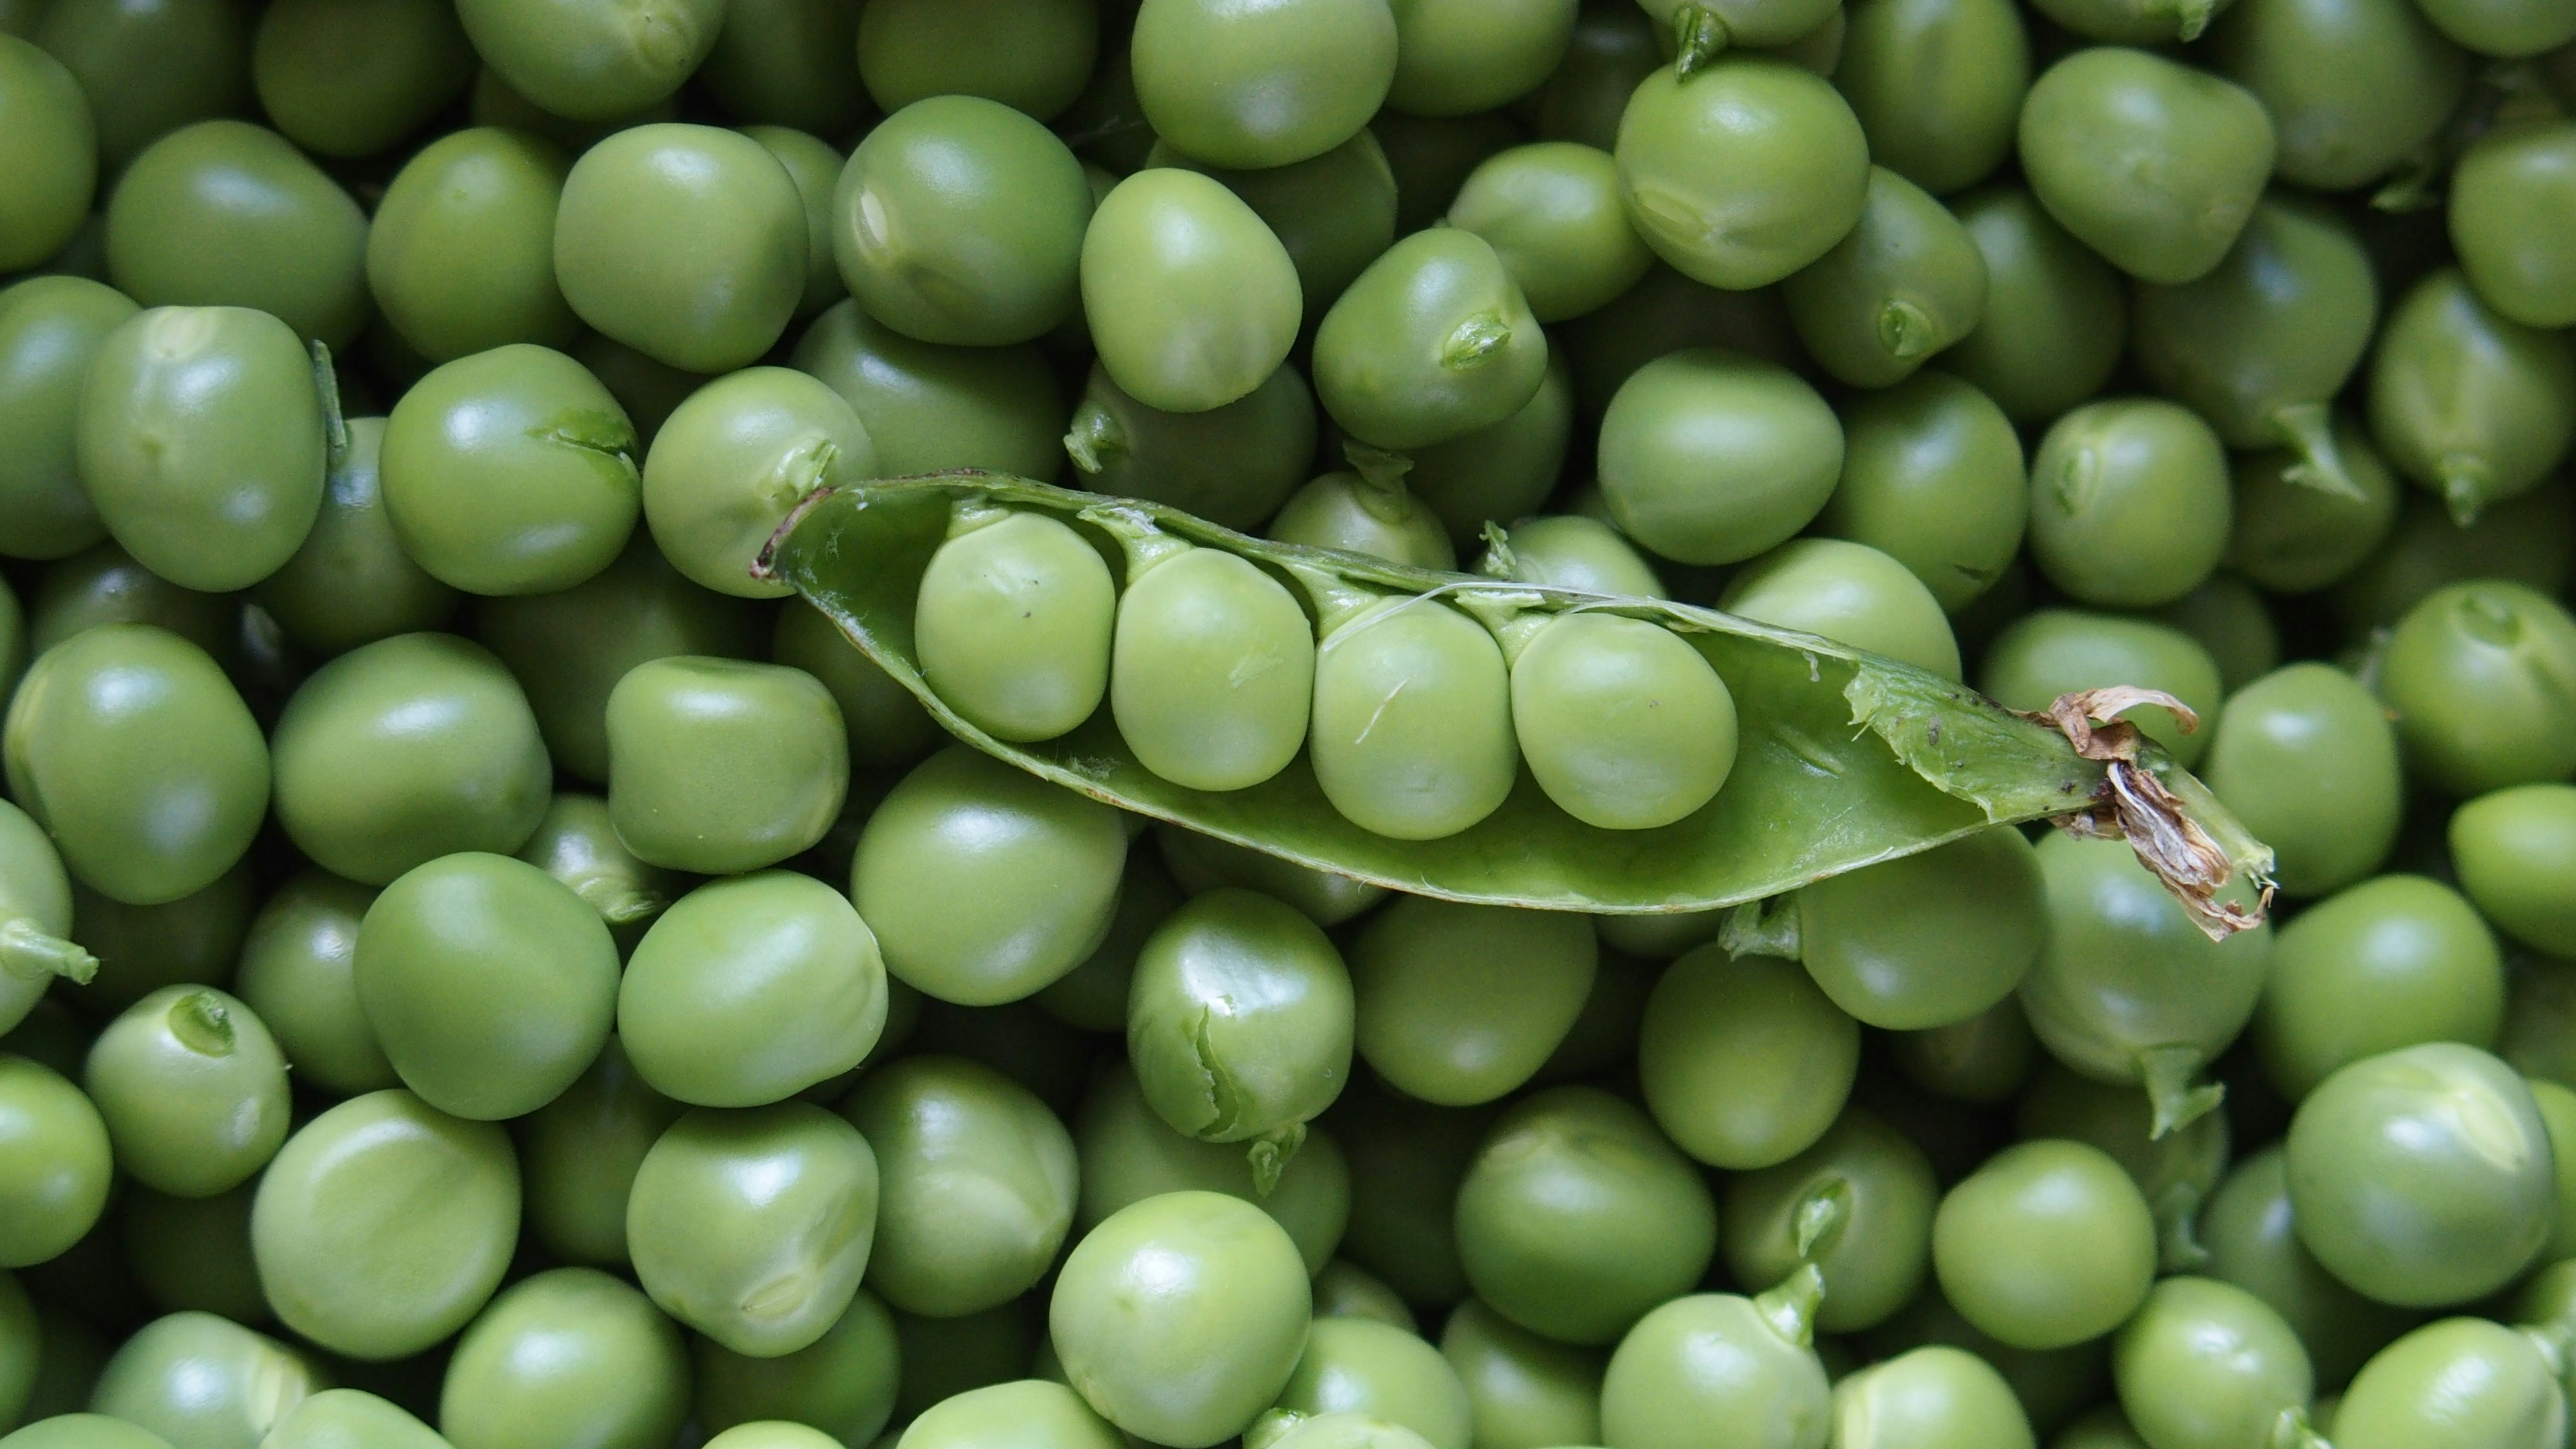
point(1894, 758)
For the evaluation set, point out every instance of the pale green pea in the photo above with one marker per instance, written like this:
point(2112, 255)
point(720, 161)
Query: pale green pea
point(1013, 623)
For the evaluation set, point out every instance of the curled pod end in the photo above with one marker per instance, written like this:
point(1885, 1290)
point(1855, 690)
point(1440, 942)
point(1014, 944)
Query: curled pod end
point(1378, 467)
point(2175, 1093)
point(1790, 1307)
point(1763, 928)
point(1476, 341)
point(2308, 429)
point(2178, 1248)
point(33, 955)
point(1699, 35)
point(1096, 439)
point(1499, 561)
point(1269, 1155)
point(202, 1024)
point(1904, 329)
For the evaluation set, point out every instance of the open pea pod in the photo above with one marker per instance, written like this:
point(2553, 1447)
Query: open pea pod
point(1845, 759)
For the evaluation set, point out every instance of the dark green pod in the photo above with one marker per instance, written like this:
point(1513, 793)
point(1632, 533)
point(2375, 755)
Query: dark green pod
point(133, 751)
point(1937, 85)
point(2260, 346)
point(1906, 282)
point(2467, 403)
point(227, 214)
point(2149, 162)
point(202, 442)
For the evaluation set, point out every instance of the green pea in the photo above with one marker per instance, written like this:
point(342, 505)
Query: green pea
point(928, 407)
point(787, 63)
point(589, 59)
point(1743, 175)
point(815, 167)
point(2471, 405)
point(1572, 551)
point(1031, 55)
point(978, 1184)
point(489, 984)
point(2105, 996)
point(1709, 456)
point(1523, 1391)
point(1982, 1059)
point(750, 989)
point(461, 255)
point(69, 1355)
point(2507, 28)
point(1211, 669)
point(2477, 677)
point(351, 583)
point(35, 913)
point(1431, 343)
point(2261, 344)
point(2129, 502)
point(2388, 963)
point(2290, 536)
point(948, 874)
point(2055, 316)
point(1932, 476)
point(1013, 623)
point(149, 71)
point(1936, 85)
point(1406, 1160)
point(1744, 1062)
point(1334, 213)
point(580, 1152)
point(2047, 1245)
point(886, 725)
point(842, 1383)
point(2516, 540)
point(2354, 86)
point(2249, 1230)
point(1611, 48)
point(1455, 58)
point(194, 493)
point(2540, 997)
point(384, 1224)
point(2368, 1147)
point(570, 1355)
point(2515, 851)
point(1256, 88)
point(1850, 593)
point(494, 101)
point(1232, 464)
point(1202, 863)
point(1935, 1397)
point(50, 330)
point(1461, 1004)
point(2453, 1384)
point(715, 284)
point(51, 163)
point(2308, 760)
point(353, 80)
point(2174, 1172)
point(1411, 726)
point(1343, 1289)
point(347, 1419)
point(2557, 1106)
point(754, 1226)
point(1716, 1369)
point(83, 1431)
point(193, 1090)
point(59, 1162)
point(133, 751)
point(1191, 300)
point(1370, 513)
point(960, 220)
point(570, 649)
point(1552, 214)
point(1858, 1204)
point(405, 750)
point(196, 1379)
point(1624, 725)
point(773, 1435)
point(1034, 1412)
point(784, 753)
point(1905, 282)
point(1667, 312)
point(2227, 618)
point(227, 214)
point(2508, 195)
point(195, 939)
point(511, 471)
point(194, 1252)
point(1577, 1216)
point(731, 462)
point(1181, 1317)
point(1506, 470)
point(1129, 1154)
point(2151, 163)
point(576, 843)
point(1929, 939)
point(2051, 652)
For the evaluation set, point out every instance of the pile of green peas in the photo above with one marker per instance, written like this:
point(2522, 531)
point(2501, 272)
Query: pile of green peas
point(479, 973)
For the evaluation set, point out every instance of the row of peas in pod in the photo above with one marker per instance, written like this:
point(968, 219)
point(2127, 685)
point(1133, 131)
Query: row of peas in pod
point(538, 979)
